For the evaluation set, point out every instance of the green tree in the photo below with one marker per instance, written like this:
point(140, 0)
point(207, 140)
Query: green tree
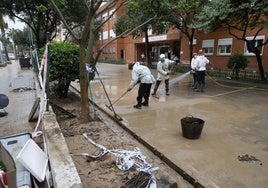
point(242, 18)
point(38, 15)
point(138, 12)
point(41, 18)
point(181, 14)
point(3, 26)
point(86, 39)
point(237, 62)
point(22, 39)
point(64, 66)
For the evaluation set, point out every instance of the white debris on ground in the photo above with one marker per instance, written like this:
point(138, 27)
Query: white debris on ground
point(125, 160)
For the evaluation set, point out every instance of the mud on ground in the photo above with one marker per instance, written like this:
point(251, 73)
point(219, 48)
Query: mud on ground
point(103, 172)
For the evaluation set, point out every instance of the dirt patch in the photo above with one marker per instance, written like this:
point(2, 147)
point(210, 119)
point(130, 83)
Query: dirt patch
point(105, 171)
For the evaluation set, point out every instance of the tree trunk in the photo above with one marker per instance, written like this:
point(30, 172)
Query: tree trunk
point(261, 70)
point(84, 116)
point(147, 49)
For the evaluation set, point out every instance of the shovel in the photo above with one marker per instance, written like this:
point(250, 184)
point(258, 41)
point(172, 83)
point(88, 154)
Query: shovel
point(110, 106)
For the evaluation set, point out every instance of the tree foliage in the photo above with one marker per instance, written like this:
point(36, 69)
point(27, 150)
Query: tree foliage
point(64, 66)
point(138, 12)
point(181, 14)
point(85, 38)
point(3, 26)
point(242, 18)
point(40, 16)
point(237, 62)
point(36, 14)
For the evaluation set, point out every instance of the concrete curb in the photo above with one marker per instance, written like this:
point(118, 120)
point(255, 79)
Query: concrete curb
point(63, 171)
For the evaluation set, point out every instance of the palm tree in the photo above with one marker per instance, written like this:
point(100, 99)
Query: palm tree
point(3, 26)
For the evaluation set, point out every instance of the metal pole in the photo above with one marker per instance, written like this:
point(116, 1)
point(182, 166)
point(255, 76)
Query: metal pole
point(2, 61)
point(47, 80)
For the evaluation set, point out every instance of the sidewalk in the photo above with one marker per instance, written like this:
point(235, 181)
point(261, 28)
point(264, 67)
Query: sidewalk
point(233, 148)
point(19, 85)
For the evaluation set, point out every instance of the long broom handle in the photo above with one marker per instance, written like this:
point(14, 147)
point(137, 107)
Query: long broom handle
point(111, 105)
point(120, 97)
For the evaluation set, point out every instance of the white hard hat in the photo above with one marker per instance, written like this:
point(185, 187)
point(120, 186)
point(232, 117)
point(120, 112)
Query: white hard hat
point(162, 56)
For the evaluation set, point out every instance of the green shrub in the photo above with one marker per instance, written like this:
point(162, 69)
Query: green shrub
point(63, 66)
point(236, 63)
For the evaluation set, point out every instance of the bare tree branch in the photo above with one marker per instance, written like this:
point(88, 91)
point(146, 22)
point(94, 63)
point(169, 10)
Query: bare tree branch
point(110, 16)
point(64, 21)
point(122, 35)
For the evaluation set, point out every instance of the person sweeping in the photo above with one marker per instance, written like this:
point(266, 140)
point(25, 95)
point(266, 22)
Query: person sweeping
point(141, 74)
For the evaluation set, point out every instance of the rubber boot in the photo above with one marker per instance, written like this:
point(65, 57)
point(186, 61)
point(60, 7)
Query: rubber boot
point(145, 103)
point(167, 93)
point(202, 87)
point(195, 85)
point(197, 88)
point(154, 93)
point(138, 106)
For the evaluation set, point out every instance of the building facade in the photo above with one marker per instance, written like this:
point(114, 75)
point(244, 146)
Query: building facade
point(218, 46)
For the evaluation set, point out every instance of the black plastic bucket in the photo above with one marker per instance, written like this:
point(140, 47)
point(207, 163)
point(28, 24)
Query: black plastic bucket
point(192, 127)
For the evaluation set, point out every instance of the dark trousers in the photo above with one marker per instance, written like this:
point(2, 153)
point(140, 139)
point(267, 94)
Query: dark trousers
point(195, 77)
point(201, 80)
point(144, 92)
point(158, 83)
point(201, 77)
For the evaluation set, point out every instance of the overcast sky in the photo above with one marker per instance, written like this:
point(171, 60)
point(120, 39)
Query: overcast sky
point(16, 25)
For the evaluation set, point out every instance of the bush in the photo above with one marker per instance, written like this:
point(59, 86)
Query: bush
point(63, 66)
point(236, 63)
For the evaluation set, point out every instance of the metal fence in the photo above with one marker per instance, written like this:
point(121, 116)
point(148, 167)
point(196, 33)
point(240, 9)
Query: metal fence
point(252, 76)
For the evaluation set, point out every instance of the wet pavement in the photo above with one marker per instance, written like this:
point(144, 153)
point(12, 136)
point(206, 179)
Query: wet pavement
point(18, 85)
point(233, 148)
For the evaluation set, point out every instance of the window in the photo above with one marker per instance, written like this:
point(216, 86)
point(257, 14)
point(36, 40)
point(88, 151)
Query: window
point(150, 31)
point(258, 42)
point(104, 50)
point(104, 16)
point(225, 46)
point(100, 37)
point(112, 34)
point(194, 42)
point(112, 12)
point(208, 46)
point(105, 35)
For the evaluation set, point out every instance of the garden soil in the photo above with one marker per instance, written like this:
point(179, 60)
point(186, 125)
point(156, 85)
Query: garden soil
point(103, 172)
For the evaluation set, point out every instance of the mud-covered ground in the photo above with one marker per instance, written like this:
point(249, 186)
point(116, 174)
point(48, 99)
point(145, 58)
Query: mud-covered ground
point(103, 171)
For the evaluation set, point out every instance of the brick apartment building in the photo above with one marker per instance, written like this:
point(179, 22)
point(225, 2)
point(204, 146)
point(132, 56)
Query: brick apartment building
point(218, 45)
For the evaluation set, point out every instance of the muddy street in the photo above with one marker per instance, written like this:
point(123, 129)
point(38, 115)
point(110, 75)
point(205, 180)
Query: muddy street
point(235, 116)
point(232, 150)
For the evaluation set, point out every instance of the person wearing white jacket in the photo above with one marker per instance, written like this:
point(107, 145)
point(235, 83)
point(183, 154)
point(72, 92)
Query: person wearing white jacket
point(193, 70)
point(201, 61)
point(141, 74)
point(163, 73)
